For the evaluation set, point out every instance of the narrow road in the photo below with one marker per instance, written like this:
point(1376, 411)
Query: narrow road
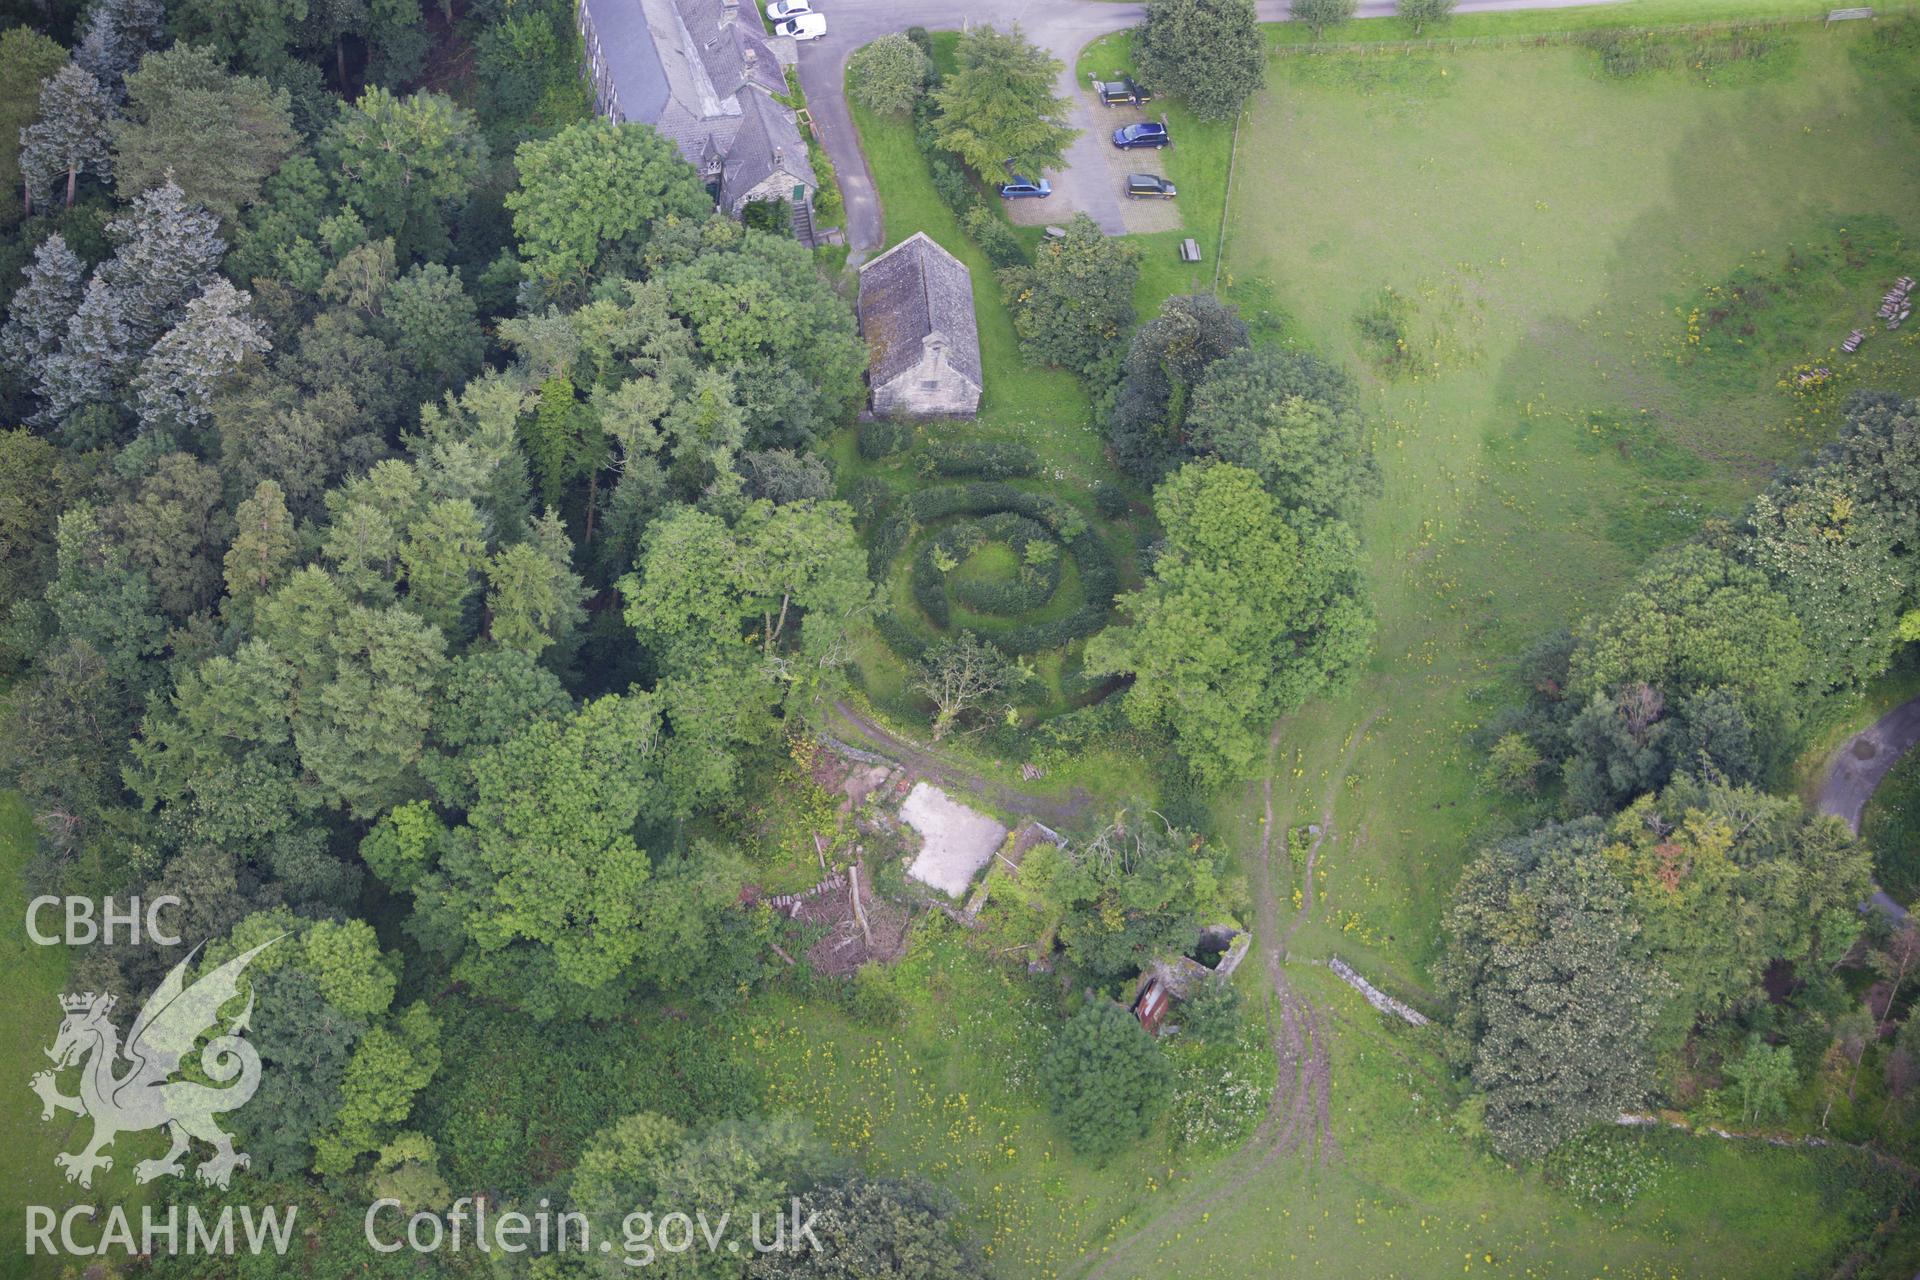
point(1855, 770)
point(1062, 27)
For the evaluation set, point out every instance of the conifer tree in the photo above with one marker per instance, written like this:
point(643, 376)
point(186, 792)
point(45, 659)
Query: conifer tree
point(166, 251)
point(94, 359)
point(119, 34)
point(69, 138)
point(38, 315)
point(262, 549)
point(178, 378)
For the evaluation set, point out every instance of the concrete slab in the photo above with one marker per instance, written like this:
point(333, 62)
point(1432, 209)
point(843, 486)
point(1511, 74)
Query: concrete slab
point(956, 842)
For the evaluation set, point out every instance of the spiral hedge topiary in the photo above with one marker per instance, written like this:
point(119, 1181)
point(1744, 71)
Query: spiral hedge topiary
point(1051, 517)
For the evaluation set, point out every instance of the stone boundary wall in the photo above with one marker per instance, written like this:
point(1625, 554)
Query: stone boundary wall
point(1376, 997)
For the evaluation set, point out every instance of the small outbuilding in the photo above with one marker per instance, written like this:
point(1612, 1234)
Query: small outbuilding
point(916, 313)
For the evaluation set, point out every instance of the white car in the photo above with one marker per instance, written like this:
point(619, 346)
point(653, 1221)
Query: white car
point(804, 26)
point(783, 9)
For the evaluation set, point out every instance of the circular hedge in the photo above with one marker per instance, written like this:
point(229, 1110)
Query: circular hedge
point(938, 572)
point(995, 513)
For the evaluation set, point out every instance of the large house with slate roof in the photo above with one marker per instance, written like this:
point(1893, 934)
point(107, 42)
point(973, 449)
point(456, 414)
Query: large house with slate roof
point(916, 313)
point(703, 73)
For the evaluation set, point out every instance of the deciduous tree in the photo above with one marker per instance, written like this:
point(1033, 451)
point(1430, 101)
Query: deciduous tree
point(1168, 357)
point(1423, 13)
point(1555, 1010)
point(960, 675)
point(1321, 14)
point(1294, 420)
point(1072, 306)
point(1244, 616)
point(589, 195)
point(1208, 52)
point(998, 107)
point(217, 135)
point(1135, 892)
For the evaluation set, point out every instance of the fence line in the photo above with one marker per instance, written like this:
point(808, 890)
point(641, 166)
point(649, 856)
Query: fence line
point(1226, 202)
point(1544, 38)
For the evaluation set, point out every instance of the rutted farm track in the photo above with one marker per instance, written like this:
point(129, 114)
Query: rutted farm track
point(1298, 1114)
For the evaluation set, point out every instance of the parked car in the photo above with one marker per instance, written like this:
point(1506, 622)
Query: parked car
point(1148, 186)
point(782, 9)
point(1124, 92)
point(1024, 187)
point(1148, 133)
point(802, 26)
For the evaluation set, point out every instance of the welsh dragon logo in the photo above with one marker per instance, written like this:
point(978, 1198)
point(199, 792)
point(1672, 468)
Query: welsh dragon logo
point(148, 1095)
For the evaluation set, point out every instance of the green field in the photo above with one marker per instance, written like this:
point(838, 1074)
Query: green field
point(1550, 235)
point(30, 1008)
point(1576, 300)
point(1581, 384)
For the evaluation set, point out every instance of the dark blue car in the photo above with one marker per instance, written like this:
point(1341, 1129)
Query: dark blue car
point(1146, 134)
point(1022, 186)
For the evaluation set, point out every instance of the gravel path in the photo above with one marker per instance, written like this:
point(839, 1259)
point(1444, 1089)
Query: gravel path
point(1864, 759)
point(1855, 770)
point(1063, 28)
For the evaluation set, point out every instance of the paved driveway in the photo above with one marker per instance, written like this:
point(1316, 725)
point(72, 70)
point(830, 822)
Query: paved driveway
point(1062, 28)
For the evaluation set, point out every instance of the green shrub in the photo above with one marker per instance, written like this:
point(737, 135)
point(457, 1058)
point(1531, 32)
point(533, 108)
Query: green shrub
point(875, 1002)
point(1099, 576)
point(1213, 1012)
point(929, 586)
point(995, 236)
point(1106, 1079)
point(871, 499)
point(900, 637)
point(890, 74)
point(988, 459)
point(1111, 501)
point(882, 438)
point(952, 183)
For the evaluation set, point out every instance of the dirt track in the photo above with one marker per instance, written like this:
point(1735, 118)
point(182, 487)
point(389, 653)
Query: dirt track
point(1298, 1113)
point(842, 720)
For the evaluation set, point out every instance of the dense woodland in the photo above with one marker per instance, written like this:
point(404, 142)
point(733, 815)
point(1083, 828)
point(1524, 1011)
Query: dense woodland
point(418, 541)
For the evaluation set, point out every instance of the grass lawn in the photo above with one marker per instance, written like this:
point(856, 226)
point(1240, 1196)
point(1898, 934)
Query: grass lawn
point(1561, 249)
